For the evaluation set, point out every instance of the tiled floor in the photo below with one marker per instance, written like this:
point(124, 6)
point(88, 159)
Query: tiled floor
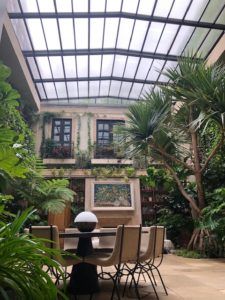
point(185, 278)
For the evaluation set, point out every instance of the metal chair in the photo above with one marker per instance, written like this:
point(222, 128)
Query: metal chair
point(51, 236)
point(152, 257)
point(126, 249)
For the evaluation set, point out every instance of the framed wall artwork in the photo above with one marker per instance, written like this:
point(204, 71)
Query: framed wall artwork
point(108, 195)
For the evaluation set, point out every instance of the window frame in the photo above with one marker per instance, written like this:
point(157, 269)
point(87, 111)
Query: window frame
point(62, 131)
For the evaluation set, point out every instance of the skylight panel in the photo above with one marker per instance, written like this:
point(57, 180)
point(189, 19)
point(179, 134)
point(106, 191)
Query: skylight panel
point(82, 66)
point(155, 69)
point(125, 31)
point(196, 39)
point(131, 67)
point(81, 34)
point(80, 6)
point(163, 8)
point(196, 9)
point(114, 88)
point(146, 7)
point(168, 65)
point(212, 11)
point(136, 90)
point(95, 64)
point(168, 35)
point(140, 29)
point(46, 6)
point(111, 27)
point(72, 89)
point(119, 65)
point(179, 9)
point(41, 90)
point(125, 89)
point(221, 19)
point(33, 67)
point(209, 41)
point(29, 5)
point(50, 90)
point(107, 64)
point(94, 88)
point(143, 68)
point(147, 88)
point(97, 5)
point(61, 89)
point(36, 33)
point(153, 36)
point(104, 87)
point(21, 33)
point(83, 88)
point(51, 33)
point(44, 67)
point(113, 5)
point(70, 66)
point(181, 40)
point(96, 33)
point(130, 6)
point(56, 66)
point(67, 33)
point(63, 5)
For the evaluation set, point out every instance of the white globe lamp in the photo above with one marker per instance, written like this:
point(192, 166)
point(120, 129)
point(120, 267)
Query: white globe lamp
point(86, 221)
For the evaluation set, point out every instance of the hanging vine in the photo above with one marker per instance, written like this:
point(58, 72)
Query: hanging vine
point(78, 132)
point(90, 146)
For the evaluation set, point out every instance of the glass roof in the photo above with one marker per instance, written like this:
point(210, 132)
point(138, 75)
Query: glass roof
point(110, 51)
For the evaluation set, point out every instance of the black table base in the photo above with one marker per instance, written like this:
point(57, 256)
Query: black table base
point(84, 279)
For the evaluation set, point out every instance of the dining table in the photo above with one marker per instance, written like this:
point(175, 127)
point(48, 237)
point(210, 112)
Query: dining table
point(84, 276)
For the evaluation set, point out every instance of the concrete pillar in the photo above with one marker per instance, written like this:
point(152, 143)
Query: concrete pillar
point(2, 14)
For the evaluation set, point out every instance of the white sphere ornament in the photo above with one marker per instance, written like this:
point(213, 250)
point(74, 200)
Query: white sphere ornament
point(86, 221)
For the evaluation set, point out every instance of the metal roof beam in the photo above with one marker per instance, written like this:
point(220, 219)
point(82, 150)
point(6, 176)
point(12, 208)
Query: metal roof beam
point(108, 51)
point(99, 79)
point(116, 15)
point(83, 98)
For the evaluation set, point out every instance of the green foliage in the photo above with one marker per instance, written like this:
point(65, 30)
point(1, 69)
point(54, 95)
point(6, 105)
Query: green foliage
point(157, 178)
point(16, 142)
point(188, 254)
point(214, 220)
point(83, 159)
point(21, 262)
point(50, 195)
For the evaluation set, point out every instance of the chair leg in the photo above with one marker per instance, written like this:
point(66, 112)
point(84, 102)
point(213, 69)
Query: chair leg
point(163, 284)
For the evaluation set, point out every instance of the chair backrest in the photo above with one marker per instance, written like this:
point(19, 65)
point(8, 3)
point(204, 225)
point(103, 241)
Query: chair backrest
point(155, 245)
point(159, 241)
point(127, 244)
point(107, 242)
point(47, 232)
point(145, 238)
point(71, 243)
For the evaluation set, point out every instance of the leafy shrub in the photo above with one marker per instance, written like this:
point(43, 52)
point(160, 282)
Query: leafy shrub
point(188, 253)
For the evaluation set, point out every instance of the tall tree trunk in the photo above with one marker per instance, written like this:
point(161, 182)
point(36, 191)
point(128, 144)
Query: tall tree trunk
point(197, 165)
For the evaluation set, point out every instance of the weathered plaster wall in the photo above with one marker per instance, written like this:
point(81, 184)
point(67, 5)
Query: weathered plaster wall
point(79, 116)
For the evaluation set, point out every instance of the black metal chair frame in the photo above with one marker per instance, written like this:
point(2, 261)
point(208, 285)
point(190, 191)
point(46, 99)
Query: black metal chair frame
point(52, 270)
point(120, 269)
point(150, 266)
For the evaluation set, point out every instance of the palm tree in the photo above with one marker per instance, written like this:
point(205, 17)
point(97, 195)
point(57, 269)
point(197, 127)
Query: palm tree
point(171, 133)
